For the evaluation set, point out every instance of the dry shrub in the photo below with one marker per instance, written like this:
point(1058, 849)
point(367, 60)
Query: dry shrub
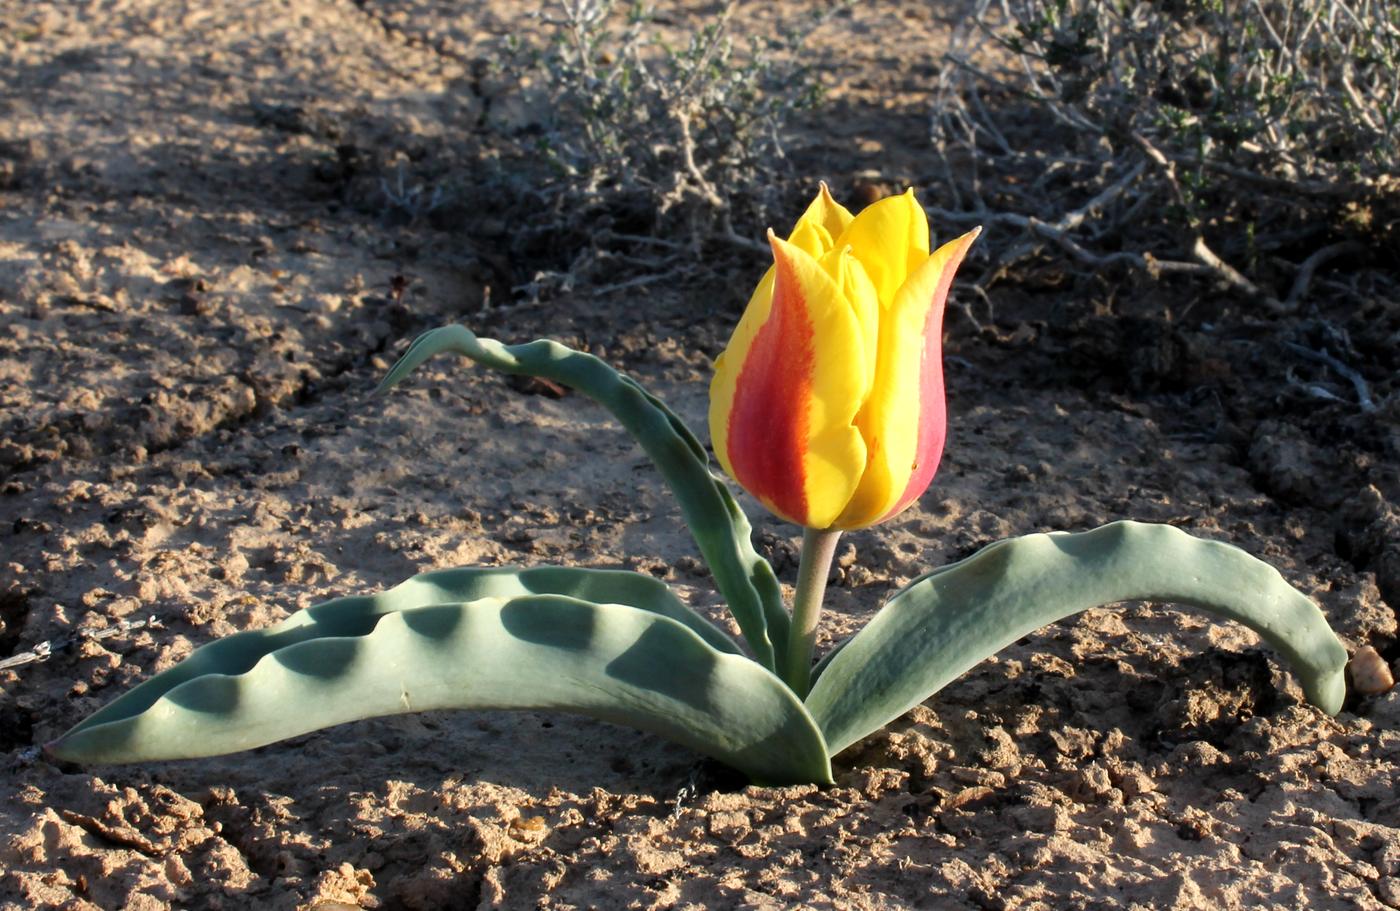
point(646, 143)
point(1250, 141)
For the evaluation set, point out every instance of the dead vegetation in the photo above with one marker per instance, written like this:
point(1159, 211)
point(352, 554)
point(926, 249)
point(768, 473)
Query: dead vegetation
point(648, 143)
point(1252, 144)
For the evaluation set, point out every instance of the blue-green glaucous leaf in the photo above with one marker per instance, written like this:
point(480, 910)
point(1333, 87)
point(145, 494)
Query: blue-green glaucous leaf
point(607, 661)
point(357, 615)
point(721, 529)
point(948, 621)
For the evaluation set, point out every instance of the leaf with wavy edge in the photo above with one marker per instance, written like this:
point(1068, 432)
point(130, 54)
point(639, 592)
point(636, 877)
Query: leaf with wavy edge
point(357, 615)
point(720, 527)
point(830, 656)
point(948, 621)
point(606, 661)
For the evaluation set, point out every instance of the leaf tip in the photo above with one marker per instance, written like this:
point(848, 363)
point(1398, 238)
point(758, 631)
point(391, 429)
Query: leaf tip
point(53, 751)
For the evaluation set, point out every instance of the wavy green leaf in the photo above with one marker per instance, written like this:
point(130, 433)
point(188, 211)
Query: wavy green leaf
point(606, 661)
point(720, 527)
point(357, 615)
point(835, 650)
point(946, 622)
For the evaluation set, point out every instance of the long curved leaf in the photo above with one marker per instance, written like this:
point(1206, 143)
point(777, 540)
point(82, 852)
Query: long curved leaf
point(720, 527)
point(835, 650)
point(946, 622)
point(357, 615)
point(607, 661)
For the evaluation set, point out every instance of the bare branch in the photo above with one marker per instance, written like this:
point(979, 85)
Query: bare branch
point(1358, 382)
point(46, 650)
point(1310, 265)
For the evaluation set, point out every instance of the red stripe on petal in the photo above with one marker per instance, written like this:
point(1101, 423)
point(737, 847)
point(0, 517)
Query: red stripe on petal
point(933, 406)
point(768, 423)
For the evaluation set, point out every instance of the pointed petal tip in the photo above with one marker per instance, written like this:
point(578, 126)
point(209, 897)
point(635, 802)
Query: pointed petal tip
point(782, 249)
point(959, 245)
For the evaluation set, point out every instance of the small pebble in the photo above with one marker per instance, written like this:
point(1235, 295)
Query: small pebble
point(1369, 673)
point(528, 829)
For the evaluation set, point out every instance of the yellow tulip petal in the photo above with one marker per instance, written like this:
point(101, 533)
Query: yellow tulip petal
point(812, 238)
point(890, 238)
point(904, 421)
point(812, 234)
point(826, 212)
point(859, 291)
point(787, 390)
point(730, 362)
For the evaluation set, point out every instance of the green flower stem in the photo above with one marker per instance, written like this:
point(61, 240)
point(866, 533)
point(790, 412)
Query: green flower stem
point(818, 548)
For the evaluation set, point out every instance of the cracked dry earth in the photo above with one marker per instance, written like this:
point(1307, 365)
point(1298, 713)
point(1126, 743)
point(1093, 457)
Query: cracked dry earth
point(198, 288)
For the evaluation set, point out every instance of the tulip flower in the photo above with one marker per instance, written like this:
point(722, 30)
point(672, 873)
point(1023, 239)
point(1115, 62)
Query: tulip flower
point(828, 403)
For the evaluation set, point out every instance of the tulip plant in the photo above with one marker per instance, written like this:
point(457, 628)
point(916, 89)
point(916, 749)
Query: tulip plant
point(828, 407)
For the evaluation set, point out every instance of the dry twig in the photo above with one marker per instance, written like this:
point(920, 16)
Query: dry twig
point(1358, 382)
point(46, 649)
